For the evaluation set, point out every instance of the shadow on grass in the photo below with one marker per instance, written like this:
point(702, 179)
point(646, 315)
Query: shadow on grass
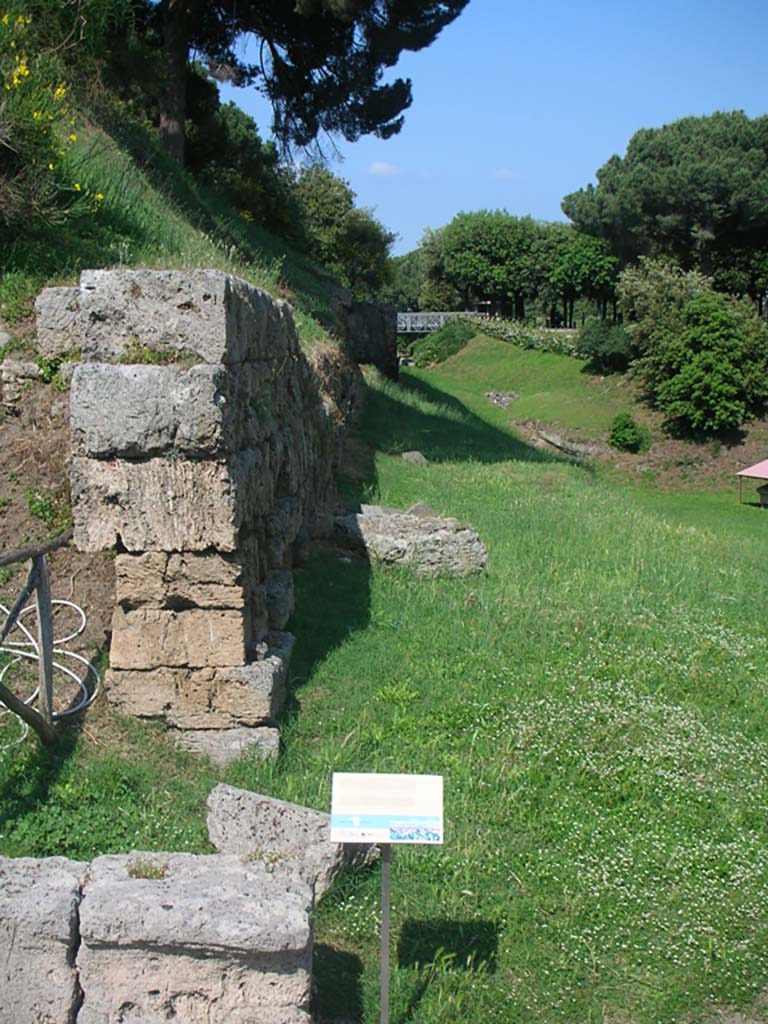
point(450, 433)
point(26, 782)
point(333, 601)
point(459, 945)
point(431, 946)
point(338, 979)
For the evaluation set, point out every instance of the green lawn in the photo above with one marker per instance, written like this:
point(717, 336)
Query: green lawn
point(551, 387)
point(594, 701)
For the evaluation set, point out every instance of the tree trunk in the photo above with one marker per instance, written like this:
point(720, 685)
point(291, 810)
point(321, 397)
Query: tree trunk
point(519, 306)
point(177, 26)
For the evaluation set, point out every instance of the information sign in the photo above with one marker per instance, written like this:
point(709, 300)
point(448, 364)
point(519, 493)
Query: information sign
point(379, 808)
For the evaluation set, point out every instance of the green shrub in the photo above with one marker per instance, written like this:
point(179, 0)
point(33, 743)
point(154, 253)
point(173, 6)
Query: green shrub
point(627, 436)
point(37, 128)
point(702, 356)
point(606, 344)
point(517, 332)
point(445, 342)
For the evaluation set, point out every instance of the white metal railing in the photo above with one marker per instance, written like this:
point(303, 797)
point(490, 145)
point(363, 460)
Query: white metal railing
point(425, 323)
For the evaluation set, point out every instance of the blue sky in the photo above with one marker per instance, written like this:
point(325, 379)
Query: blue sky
point(515, 105)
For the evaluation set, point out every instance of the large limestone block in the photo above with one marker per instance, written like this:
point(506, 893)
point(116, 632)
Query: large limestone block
point(212, 940)
point(262, 828)
point(146, 638)
point(57, 314)
point(430, 545)
point(207, 698)
point(214, 316)
point(161, 504)
point(179, 579)
point(135, 411)
point(38, 939)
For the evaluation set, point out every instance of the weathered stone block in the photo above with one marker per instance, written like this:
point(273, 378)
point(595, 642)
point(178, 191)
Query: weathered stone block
point(432, 546)
point(136, 411)
point(145, 638)
point(38, 937)
point(207, 698)
point(214, 316)
point(57, 312)
point(214, 940)
point(179, 579)
point(226, 745)
point(161, 504)
point(372, 336)
point(262, 828)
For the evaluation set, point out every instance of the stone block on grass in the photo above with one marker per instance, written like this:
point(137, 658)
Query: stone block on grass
point(263, 828)
point(430, 545)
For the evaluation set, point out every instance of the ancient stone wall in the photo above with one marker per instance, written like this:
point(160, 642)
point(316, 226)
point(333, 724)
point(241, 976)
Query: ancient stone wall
point(372, 336)
point(203, 448)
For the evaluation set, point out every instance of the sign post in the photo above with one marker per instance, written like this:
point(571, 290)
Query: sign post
point(386, 809)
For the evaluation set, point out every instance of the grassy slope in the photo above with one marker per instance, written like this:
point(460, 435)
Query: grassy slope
point(550, 387)
point(154, 214)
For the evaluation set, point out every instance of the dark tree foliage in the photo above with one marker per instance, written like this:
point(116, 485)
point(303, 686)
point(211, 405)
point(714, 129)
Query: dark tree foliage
point(224, 149)
point(406, 279)
point(321, 62)
point(696, 190)
point(346, 239)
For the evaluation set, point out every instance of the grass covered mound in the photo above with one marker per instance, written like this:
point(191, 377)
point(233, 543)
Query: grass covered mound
point(594, 702)
point(442, 343)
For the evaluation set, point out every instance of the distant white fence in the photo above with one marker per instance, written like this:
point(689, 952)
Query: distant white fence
point(425, 323)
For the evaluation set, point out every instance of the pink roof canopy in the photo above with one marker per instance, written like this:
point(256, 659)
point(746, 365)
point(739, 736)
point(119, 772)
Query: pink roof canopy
point(757, 472)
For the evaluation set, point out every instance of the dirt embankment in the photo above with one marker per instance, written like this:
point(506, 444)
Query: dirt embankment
point(34, 506)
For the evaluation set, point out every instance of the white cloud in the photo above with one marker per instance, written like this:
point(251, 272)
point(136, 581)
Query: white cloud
point(503, 174)
point(380, 169)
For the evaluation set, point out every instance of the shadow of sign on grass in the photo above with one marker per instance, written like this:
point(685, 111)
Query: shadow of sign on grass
point(458, 945)
point(429, 948)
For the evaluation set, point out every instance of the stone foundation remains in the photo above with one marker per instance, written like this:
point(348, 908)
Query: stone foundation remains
point(202, 453)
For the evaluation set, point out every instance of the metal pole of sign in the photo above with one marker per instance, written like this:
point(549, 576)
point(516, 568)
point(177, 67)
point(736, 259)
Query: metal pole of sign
point(385, 889)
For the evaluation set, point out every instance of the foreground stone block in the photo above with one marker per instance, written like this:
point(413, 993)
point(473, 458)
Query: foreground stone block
point(57, 312)
point(146, 638)
point(431, 545)
point(203, 940)
point(207, 314)
point(38, 938)
point(162, 579)
point(274, 831)
point(135, 411)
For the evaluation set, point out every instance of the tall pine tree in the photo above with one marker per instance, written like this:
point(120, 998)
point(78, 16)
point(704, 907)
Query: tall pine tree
point(320, 62)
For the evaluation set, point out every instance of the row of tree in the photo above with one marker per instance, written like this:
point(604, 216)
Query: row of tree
point(510, 266)
point(695, 191)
